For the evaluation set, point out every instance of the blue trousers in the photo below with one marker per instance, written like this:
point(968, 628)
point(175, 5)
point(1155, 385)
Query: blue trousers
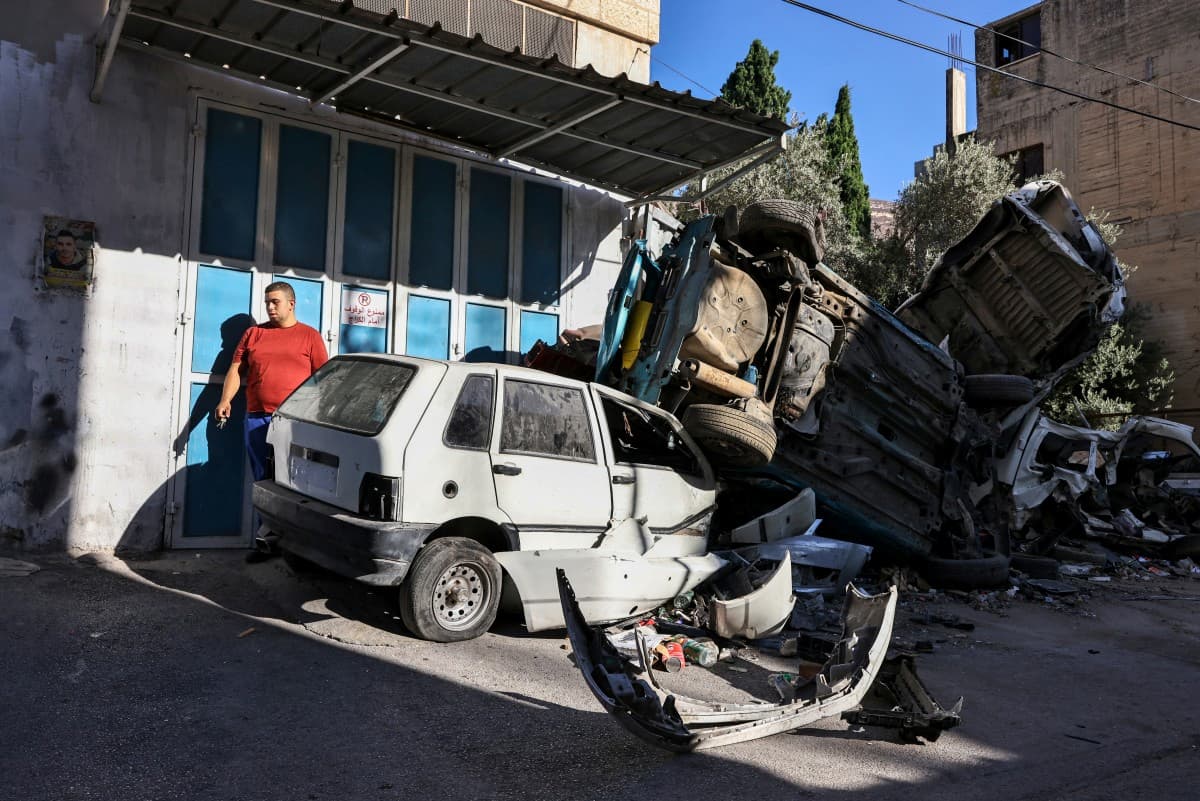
point(256, 442)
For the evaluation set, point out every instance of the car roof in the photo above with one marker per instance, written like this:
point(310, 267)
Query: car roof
point(507, 369)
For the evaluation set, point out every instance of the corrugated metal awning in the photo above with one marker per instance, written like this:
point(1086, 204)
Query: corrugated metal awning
point(636, 139)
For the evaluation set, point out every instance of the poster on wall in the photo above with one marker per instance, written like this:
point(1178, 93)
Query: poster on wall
point(364, 320)
point(68, 252)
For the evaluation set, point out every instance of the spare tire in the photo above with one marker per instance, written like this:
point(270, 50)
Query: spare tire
point(992, 390)
point(772, 224)
point(730, 436)
point(966, 574)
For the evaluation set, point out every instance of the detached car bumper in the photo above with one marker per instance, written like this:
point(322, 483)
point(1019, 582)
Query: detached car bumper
point(372, 551)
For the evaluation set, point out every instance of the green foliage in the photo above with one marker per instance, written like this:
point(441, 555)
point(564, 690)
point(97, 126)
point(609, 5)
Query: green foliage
point(934, 211)
point(842, 146)
point(1127, 374)
point(752, 85)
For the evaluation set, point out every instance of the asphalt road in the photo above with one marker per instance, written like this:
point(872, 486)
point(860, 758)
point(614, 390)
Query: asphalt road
point(196, 676)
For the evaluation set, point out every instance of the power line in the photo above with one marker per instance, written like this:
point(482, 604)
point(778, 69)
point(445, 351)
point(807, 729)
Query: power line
point(1051, 52)
point(978, 65)
point(685, 77)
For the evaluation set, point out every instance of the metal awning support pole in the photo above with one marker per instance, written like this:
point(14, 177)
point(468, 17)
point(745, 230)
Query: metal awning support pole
point(760, 156)
point(570, 122)
point(358, 76)
point(110, 48)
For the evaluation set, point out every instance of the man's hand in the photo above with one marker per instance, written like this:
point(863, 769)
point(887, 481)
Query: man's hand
point(223, 410)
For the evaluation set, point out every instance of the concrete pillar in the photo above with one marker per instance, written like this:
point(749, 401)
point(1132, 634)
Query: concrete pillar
point(956, 107)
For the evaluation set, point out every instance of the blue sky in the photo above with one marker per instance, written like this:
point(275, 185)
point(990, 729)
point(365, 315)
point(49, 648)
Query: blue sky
point(897, 91)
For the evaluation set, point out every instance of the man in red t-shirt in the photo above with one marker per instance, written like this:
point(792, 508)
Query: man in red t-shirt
point(276, 357)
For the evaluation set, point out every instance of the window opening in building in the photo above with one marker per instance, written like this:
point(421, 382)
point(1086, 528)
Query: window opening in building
point(1018, 39)
point(1028, 163)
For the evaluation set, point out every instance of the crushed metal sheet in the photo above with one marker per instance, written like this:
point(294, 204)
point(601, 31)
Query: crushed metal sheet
point(676, 723)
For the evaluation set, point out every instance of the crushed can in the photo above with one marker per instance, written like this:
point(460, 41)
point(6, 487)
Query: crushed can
point(669, 655)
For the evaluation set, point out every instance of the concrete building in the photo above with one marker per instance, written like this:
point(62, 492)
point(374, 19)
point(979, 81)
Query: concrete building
point(1145, 173)
point(425, 192)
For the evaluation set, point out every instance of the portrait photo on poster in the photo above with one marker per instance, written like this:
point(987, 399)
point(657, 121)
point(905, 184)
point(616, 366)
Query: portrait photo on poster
point(68, 252)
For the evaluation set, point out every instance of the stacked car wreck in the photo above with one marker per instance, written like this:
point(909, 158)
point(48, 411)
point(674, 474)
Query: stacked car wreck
point(784, 372)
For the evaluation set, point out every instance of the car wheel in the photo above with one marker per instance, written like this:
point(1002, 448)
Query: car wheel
point(730, 437)
point(1039, 567)
point(452, 591)
point(966, 574)
point(769, 224)
point(990, 390)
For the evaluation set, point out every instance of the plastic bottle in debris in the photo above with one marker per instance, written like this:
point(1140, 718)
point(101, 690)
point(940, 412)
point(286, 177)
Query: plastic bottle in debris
point(702, 652)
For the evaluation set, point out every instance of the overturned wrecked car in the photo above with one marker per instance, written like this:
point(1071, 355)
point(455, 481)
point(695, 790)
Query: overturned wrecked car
point(785, 374)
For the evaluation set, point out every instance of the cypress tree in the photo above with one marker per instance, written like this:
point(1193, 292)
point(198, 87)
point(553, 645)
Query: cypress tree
point(844, 161)
point(752, 85)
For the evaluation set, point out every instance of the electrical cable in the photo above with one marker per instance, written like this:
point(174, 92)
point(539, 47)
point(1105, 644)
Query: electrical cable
point(921, 45)
point(677, 72)
point(1050, 52)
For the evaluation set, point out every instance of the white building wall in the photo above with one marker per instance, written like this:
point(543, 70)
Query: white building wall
point(88, 415)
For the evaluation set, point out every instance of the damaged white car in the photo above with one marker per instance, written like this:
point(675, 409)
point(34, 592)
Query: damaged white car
point(461, 483)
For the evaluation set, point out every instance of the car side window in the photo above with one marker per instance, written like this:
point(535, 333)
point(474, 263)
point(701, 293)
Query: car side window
point(642, 437)
point(546, 420)
point(470, 424)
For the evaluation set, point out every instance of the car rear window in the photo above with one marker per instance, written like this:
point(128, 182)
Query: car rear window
point(351, 394)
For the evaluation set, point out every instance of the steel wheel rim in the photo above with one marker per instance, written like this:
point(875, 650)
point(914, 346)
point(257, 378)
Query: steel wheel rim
point(461, 595)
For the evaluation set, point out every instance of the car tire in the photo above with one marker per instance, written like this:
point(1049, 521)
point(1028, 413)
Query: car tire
point(729, 436)
point(992, 390)
point(769, 224)
point(1038, 567)
point(452, 591)
point(985, 572)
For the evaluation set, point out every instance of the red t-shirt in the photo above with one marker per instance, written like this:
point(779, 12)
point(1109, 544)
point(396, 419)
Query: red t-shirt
point(277, 360)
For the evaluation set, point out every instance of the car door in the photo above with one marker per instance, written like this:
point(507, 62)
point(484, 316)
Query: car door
point(548, 465)
point(657, 473)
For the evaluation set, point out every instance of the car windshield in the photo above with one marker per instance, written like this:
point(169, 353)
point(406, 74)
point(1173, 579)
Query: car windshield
point(351, 394)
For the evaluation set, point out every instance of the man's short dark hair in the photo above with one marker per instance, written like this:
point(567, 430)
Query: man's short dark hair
point(64, 232)
point(281, 286)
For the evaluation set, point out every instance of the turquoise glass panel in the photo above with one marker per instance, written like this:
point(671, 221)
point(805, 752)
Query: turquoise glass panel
point(431, 247)
point(302, 198)
point(535, 326)
point(488, 234)
point(541, 244)
point(428, 331)
point(485, 334)
point(309, 296)
point(367, 229)
point(222, 316)
point(216, 459)
point(229, 205)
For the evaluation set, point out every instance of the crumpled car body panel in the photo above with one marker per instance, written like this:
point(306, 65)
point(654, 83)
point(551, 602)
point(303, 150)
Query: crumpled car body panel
point(630, 571)
point(680, 724)
point(1030, 288)
point(1035, 478)
point(758, 613)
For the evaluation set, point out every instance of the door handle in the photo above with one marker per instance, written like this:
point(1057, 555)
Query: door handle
point(624, 480)
point(506, 469)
